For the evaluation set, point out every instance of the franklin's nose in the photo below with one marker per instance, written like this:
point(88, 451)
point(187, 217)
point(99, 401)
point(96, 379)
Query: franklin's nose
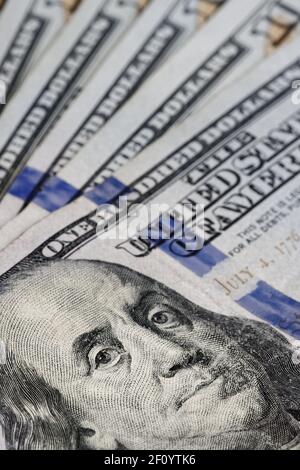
point(167, 356)
point(175, 360)
point(178, 359)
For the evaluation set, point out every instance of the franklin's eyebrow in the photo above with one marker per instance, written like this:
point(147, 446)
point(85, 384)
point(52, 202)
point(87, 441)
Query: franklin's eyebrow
point(145, 302)
point(141, 302)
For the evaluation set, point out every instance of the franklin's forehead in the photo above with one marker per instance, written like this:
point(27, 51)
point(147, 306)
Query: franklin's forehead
point(65, 281)
point(73, 293)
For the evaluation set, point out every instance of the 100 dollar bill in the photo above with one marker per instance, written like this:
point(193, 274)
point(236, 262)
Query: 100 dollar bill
point(139, 313)
point(87, 172)
point(128, 135)
point(160, 30)
point(92, 32)
point(180, 70)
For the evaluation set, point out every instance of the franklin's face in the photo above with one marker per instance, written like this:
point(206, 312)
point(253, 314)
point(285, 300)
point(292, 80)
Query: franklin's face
point(139, 365)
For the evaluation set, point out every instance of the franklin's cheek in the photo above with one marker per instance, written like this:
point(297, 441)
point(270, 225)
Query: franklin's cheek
point(209, 338)
point(119, 400)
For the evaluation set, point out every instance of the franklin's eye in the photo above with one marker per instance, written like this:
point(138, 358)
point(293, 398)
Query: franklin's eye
point(164, 319)
point(102, 358)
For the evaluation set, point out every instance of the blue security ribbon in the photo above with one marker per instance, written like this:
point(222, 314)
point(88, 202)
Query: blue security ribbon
point(25, 183)
point(274, 307)
point(55, 194)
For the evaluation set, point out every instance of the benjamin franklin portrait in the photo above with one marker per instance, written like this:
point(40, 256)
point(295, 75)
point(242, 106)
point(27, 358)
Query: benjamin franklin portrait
point(101, 357)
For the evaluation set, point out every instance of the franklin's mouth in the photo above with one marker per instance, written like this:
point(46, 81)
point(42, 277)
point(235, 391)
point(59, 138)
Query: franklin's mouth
point(237, 381)
point(234, 381)
point(191, 394)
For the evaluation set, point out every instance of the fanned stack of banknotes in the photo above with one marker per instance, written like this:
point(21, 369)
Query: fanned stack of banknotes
point(150, 224)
